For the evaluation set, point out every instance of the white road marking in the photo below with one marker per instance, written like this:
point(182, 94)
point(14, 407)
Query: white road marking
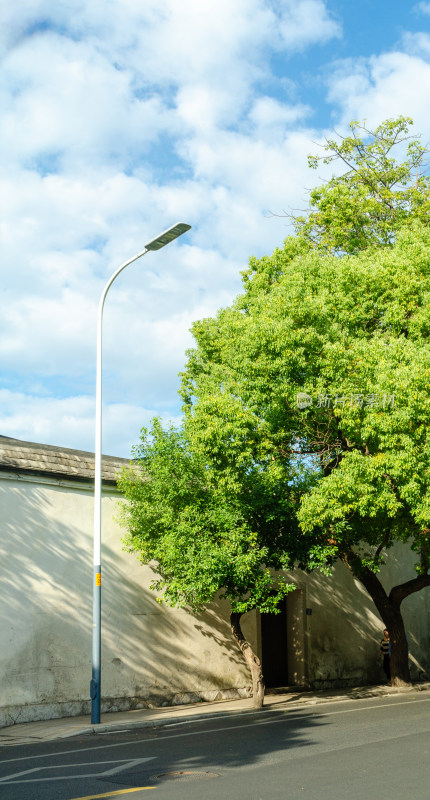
point(68, 752)
point(131, 764)
point(125, 763)
point(301, 708)
point(348, 710)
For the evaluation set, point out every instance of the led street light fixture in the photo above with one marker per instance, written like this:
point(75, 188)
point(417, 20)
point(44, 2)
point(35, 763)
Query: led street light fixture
point(168, 236)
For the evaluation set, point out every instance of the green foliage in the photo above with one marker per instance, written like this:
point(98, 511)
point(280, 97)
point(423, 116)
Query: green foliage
point(254, 482)
point(367, 205)
point(206, 530)
point(353, 329)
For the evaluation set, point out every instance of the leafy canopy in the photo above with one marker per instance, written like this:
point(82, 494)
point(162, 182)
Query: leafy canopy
point(368, 203)
point(306, 404)
point(351, 333)
point(207, 530)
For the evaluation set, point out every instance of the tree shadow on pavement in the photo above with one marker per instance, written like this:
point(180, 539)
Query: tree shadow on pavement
point(211, 748)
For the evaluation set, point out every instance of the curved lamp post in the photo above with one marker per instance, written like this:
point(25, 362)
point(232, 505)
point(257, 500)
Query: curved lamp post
point(95, 686)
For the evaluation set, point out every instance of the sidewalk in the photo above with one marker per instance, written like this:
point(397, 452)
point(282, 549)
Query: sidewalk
point(49, 730)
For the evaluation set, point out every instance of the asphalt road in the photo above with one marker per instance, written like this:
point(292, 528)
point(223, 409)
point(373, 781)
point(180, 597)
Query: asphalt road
point(348, 750)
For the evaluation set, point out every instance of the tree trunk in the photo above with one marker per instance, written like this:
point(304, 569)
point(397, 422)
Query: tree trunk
point(389, 610)
point(252, 661)
point(399, 660)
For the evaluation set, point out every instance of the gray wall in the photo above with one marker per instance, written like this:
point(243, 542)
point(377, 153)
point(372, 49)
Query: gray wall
point(151, 654)
point(344, 629)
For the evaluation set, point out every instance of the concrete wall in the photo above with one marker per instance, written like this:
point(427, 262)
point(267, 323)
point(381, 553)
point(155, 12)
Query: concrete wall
point(151, 654)
point(342, 629)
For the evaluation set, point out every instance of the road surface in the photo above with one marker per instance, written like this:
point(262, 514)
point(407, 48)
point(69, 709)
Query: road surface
point(348, 750)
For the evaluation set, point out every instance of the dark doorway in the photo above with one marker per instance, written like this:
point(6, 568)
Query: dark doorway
point(274, 647)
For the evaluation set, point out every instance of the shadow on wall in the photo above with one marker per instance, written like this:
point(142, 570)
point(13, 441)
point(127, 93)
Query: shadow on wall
point(415, 609)
point(345, 629)
point(150, 655)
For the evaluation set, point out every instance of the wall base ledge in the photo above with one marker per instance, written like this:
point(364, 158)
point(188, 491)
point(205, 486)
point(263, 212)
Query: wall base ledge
point(37, 712)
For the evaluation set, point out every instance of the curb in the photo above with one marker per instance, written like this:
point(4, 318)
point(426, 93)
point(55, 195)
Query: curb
point(156, 722)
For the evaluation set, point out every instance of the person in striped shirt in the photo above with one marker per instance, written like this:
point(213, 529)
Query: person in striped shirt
point(385, 652)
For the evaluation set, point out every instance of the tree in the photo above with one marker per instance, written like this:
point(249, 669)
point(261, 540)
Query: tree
point(366, 205)
point(208, 531)
point(341, 316)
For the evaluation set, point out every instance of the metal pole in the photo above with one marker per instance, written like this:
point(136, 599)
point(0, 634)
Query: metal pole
point(95, 686)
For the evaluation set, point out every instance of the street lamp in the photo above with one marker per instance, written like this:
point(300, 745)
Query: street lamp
point(95, 690)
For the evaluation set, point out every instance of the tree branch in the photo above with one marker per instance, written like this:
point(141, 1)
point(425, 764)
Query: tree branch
point(383, 544)
point(403, 590)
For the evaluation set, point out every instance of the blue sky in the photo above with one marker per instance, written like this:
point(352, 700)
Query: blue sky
point(120, 118)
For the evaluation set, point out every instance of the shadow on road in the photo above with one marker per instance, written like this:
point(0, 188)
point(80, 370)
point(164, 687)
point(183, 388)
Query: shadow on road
point(216, 746)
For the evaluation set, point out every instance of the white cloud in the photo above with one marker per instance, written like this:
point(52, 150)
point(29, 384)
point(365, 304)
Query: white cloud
point(45, 419)
point(107, 81)
point(272, 118)
point(383, 87)
point(79, 108)
point(44, 334)
point(204, 109)
point(306, 23)
point(119, 119)
point(417, 44)
point(254, 174)
point(69, 422)
point(424, 8)
point(167, 41)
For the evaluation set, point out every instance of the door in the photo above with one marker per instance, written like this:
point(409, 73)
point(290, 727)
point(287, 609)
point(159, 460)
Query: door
point(274, 647)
